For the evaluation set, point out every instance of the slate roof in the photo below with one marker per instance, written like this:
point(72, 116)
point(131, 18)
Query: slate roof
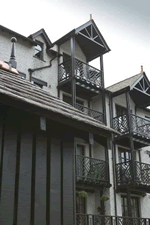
point(19, 89)
point(124, 83)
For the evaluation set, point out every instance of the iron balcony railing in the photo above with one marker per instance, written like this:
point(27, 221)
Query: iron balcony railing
point(95, 114)
point(91, 170)
point(139, 125)
point(89, 219)
point(133, 172)
point(83, 72)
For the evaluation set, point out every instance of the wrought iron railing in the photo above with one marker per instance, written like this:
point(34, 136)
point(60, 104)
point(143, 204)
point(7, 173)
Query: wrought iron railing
point(89, 219)
point(95, 114)
point(133, 172)
point(83, 71)
point(91, 170)
point(139, 125)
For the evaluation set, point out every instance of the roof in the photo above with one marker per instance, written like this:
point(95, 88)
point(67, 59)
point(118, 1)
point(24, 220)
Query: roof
point(44, 34)
point(16, 89)
point(17, 35)
point(124, 83)
point(89, 35)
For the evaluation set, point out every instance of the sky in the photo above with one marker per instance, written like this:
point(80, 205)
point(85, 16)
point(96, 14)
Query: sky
point(124, 24)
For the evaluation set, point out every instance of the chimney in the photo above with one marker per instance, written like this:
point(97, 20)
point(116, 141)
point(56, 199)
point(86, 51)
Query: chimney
point(12, 61)
point(142, 69)
point(11, 66)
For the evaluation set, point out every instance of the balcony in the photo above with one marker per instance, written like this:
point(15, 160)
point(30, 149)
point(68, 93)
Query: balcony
point(140, 129)
point(133, 174)
point(91, 171)
point(88, 78)
point(89, 219)
point(95, 114)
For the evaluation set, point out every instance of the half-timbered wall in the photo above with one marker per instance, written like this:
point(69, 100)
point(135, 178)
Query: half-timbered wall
point(36, 171)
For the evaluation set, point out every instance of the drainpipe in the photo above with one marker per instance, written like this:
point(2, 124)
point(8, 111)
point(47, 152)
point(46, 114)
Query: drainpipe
point(43, 67)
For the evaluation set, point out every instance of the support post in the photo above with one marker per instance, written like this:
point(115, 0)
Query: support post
point(73, 81)
point(129, 203)
point(102, 86)
point(107, 158)
point(130, 135)
point(58, 61)
point(113, 147)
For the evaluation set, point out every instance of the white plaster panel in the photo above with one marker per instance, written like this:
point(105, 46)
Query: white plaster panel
point(121, 100)
point(91, 203)
point(65, 47)
point(98, 151)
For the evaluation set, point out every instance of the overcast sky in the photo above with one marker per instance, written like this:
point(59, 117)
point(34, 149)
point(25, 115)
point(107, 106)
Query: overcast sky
point(124, 24)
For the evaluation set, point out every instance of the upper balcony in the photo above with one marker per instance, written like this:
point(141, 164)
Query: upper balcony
point(140, 129)
point(91, 171)
point(88, 79)
point(134, 175)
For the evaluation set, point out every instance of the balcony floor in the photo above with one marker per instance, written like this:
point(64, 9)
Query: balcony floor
point(139, 141)
point(82, 90)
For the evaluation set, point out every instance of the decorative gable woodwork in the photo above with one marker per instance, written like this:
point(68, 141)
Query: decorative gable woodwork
point(91, 32)
point(143, 85)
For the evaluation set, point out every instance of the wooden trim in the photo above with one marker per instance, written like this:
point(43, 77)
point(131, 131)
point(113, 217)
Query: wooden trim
point(62, 216)
point(33, 175)
point(17, 173)
point(48, 173)
point(2, 154)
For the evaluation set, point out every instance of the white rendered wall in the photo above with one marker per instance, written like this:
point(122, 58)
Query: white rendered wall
point(66, 48)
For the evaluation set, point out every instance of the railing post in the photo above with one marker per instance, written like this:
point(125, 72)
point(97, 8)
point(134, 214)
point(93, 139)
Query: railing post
point(147, 222)
point(114, 220)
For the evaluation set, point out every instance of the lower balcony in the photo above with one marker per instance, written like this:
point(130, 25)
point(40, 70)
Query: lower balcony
point(91, 171)
point(89, 219)
point(134, 175)
point(95, 114)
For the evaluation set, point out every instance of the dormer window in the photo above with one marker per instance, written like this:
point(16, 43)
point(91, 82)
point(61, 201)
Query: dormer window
point(39, 50)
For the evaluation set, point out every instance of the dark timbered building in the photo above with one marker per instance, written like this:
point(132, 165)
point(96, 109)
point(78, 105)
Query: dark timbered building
point(72, 152)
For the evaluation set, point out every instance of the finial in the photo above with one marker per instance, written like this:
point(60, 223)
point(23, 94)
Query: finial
point(141, 69)
point(12, 61)
point(90, 16)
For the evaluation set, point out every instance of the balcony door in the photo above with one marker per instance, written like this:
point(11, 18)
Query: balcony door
point(67, 99)
point(81, 211)
point(135, 212)
point(125, 165)
point(124, 155)
point(121, 113)
point(80, 161)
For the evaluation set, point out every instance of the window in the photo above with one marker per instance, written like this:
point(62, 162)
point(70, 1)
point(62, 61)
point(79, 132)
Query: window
point(39, 82)
point(39, 50)
point(120, 110)
point(124, 155)
point(135, 212)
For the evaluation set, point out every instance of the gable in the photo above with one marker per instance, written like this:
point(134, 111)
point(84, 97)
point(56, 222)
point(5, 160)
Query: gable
point(142, 85)
point(140, 91)
point(91, 31)
point(44, 35)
